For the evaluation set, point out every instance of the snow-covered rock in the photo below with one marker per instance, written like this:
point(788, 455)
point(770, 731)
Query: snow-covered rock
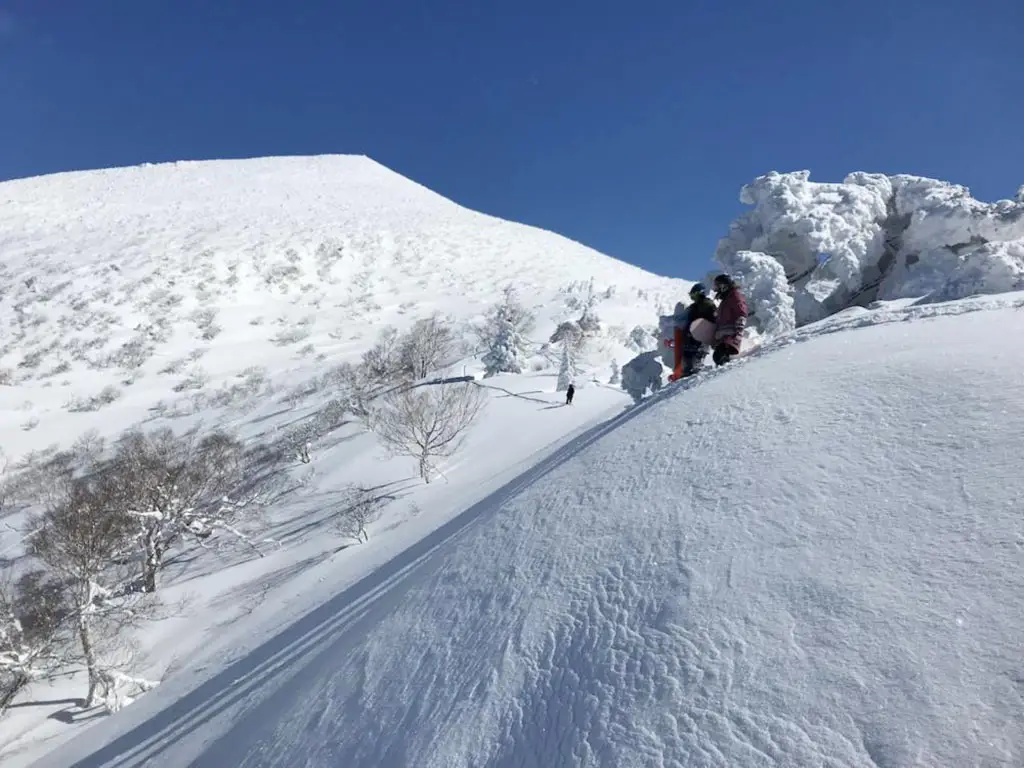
point(873, 237)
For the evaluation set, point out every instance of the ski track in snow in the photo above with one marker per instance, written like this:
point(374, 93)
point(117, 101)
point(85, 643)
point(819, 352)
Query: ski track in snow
point(810, 558)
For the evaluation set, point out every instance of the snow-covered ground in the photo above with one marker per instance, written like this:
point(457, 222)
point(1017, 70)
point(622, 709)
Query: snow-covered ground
point(812, 557)
point(225, 293)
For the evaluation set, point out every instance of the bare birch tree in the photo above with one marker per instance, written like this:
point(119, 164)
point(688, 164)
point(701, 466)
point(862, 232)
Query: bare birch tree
point(427, 423)
point(176, 487)
point(32, 637)
point(429, 345)
point(87, 542)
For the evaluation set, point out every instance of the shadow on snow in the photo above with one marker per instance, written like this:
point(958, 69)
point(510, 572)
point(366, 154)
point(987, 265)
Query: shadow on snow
point(331, 621)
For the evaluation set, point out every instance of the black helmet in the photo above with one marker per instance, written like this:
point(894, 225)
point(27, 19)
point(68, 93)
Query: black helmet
point(723, 283)
point(698, 289)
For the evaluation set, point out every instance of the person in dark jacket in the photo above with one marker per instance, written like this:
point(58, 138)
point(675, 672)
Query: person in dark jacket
point(569, 394)
point(732, 319)
point(702, 308)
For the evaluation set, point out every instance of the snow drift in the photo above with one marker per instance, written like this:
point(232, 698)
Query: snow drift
point(871, 237)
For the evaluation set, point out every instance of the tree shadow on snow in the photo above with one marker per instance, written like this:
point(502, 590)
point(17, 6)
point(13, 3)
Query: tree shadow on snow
point(341, 618)
point(46, 703)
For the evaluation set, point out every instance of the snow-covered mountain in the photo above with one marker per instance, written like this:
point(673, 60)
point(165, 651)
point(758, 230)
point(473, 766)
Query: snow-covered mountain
point(125, 287)
point(809, 557)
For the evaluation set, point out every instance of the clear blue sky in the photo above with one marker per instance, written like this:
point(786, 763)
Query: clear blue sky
point(629, 126)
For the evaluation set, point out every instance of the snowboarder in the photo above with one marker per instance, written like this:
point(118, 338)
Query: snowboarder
point(569, 394)
point(732, 319)
point(702, 308)
point(689, 352)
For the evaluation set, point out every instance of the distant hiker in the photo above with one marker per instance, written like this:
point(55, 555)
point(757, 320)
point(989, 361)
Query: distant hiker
point(732, 319)
point(569, 394)
point(702, 308)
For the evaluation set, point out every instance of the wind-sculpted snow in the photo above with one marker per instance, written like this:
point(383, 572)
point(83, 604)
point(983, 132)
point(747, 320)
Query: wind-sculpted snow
point(810, 557)
point(874, 237)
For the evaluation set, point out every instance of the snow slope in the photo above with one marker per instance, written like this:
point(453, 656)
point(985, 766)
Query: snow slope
point(170, 282)
point(226, 293)
point(811, 557)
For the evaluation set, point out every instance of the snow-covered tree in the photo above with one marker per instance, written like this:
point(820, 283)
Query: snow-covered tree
point(32, 643)
point(568, 370)
point(427, 423)
point(175, 487)
point(429, 345)
point(616, 375)
point(382, 361)
point(503, 335)
point(87, 542)
point(567, 329)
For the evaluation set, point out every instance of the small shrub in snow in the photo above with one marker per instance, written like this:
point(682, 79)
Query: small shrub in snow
point(30, 424)
point(427, 423)
point(357, 508)
point(175, 366)
point(106, 396)
point(6, 377)
point(288, 336)
point(132, 354)
point(62, 367)
point(32, 360)
point(196, 379)
point(211, 332)
point(297, 441)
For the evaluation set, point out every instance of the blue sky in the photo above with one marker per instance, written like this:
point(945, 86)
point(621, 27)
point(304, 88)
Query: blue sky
point(628, 126)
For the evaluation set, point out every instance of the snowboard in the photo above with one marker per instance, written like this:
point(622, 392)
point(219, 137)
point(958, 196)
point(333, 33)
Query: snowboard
point(703, 331)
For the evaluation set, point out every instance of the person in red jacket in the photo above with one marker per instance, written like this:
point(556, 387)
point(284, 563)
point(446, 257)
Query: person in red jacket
point(732, 319)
